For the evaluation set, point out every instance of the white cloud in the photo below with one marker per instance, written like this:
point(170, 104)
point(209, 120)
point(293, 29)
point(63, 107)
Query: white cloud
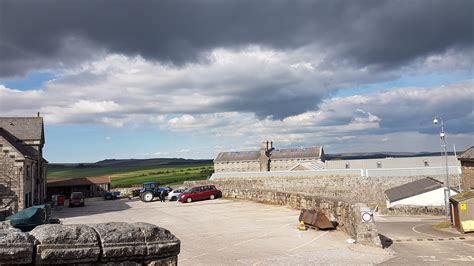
point(232, 95)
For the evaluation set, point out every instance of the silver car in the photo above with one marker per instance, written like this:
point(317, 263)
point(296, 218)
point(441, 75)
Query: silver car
point(174, 195)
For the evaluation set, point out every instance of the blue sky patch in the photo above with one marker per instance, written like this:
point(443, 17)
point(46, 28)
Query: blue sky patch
point(32, 81)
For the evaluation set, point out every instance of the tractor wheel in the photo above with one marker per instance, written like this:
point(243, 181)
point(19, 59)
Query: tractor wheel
point(189, 200)
point(147, 197)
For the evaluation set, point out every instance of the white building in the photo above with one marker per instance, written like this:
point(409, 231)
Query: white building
point(423, 192)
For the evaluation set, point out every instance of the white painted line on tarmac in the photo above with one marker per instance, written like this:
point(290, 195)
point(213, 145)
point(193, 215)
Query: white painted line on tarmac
point(467, 244)
point(264, 235)
point(418, 232)
point(197, 256)
point(276, 218)
point(307, 243)
point(246, 241)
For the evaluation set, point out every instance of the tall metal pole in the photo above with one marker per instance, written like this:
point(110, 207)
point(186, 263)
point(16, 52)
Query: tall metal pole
point(447, 189)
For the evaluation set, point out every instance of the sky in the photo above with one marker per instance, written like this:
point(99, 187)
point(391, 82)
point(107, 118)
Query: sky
point(188, 79)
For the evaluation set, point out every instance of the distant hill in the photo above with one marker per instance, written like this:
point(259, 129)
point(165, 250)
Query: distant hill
point(123, 163)
point(380, 155)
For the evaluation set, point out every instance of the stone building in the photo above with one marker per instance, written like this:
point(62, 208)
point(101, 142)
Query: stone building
point(22, 166)
point(95, 186)
point(467, 168)
point(270, 159)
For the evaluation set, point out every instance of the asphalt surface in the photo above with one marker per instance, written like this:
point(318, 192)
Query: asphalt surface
point(414, 241)
point(224, 232)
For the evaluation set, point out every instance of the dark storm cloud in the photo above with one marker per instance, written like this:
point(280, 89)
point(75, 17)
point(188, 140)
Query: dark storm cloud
point(385, 34)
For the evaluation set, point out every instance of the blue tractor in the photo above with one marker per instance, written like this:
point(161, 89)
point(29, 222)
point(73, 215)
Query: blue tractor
point(150, 190)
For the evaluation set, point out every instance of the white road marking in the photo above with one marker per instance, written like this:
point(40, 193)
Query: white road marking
point(307, 243)
point(264, 235)
point(193, 257)
point(428, 258)
point(277, 218)
point(462, 258)
point(418, 232)
point(467, 244)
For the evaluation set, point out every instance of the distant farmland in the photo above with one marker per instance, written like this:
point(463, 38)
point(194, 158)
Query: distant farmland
point(125, 173)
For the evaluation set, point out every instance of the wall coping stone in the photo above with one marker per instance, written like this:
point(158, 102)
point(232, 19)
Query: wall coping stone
point(16, 247)
point(57, 243)
point(95, 244)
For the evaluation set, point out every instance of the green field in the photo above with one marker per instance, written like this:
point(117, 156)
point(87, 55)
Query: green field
point(129, 175)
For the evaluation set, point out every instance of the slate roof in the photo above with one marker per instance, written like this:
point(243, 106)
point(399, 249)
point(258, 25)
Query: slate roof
point(83, 181)
point(24, 128)
point(467, 155)
point(312, 152)
point(237, 156)
point(463, 196)
point(412, 189)
point(20, 147)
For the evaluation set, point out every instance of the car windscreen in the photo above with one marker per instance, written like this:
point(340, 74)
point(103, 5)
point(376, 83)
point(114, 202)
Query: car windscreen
point(76, 195)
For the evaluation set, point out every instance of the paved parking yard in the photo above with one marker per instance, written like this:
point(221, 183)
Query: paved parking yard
point(228, 232)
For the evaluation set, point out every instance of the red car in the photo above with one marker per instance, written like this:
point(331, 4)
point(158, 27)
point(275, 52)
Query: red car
point(76, 199)
point(200, 193)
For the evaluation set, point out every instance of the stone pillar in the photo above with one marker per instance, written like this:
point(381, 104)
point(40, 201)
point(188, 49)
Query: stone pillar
point(264, 160)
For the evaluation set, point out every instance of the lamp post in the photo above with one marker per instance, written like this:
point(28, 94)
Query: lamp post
point(447, 188)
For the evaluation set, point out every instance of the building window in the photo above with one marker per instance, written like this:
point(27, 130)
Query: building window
point(379, 164)
point(27, 200)
point(348, 165)
point(426, 163)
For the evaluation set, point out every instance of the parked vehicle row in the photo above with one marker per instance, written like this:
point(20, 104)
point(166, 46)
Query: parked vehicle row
point(151, 190)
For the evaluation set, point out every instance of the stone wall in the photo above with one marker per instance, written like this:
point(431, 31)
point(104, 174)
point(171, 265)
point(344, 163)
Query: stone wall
point(369, 190)
point(413, 210)
point(237, 166)
point(467, 177)
point(345, 213)
point(18, 174)
point(125, 191)
point(95, 244)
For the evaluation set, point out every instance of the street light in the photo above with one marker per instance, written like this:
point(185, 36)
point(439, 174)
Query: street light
point(447, 189)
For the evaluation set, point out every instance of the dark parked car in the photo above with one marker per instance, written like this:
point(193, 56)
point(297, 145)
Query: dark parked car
point(109, 196)
point(76, 199)
point(29, 218)
point(200, 193)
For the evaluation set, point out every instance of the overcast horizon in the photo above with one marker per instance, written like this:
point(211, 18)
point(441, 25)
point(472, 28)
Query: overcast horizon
point(188, 79)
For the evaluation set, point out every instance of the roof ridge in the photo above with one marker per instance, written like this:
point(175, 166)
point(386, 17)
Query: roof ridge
point(21, 117)
point(24, 149)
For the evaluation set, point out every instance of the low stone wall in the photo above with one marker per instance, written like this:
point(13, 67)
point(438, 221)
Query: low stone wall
point(125, 191)
point(346, 214)
point(413, 210)
point(369, 190)
point(95, 244)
